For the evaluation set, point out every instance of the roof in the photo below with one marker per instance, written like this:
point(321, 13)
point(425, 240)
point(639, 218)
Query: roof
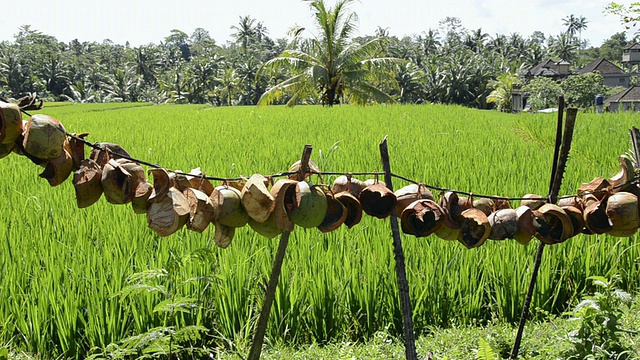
point(635, 46)
point(630, 94)
point(603, 66)
point(537, 68)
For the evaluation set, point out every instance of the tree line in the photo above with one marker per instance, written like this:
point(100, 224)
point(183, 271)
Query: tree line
point(443, 64)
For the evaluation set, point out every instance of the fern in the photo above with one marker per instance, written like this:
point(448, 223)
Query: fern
point(485, 352)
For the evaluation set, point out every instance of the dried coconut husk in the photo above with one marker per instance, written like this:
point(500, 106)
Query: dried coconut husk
point(179, 181)
point(107, 152)
point(10, 123)
point(598, 187)
point(595, 214)
point(622, 209)
point(6, 149)
point(410, 193)
point(75, 147)
point(140, 200)
point(377, 200)
point(198, 181)
point(256, 198)
point(168, 215)
point(227, 204)
point(284, 193)
point(554, 225)
point(573, 201)
point(267, 228)
point(44, 137)
point(352, 206)
point(577, 219)
point(421, 218)
point(310, 206)
point(201, 209)
point(57, 170)
point(87, 182)
point(474, 228)
point(295, 169)
point(347, 183)
point(484, 204)
point(161, 184)
point(120, 178)
point(453, 206)
point(620, 181)
point(223, 235)
point(504, 224)
point(526, 225)
point(336, 213)
point(533, 201)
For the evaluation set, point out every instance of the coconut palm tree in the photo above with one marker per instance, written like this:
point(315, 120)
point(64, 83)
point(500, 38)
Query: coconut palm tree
point(329, 63)
point(245, 31)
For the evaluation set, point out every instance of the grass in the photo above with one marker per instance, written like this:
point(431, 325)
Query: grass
point(64, 269)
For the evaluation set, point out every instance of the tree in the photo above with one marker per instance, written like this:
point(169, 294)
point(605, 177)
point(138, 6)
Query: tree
point(244, 32)
point(502, 90)
point(329, 63)
point(564, 47)
point(581, 90)
point(543, 93)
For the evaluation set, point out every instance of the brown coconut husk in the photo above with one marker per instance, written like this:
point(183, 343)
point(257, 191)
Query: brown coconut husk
point(256, 198)
point(44, 137)
point(595, 214)
point(179, 181)
point(577, 219)
point(75, 147)
point(107, 152)
point(336, 213)
point(410, 193)
point(474, 228)
point(620, 181)
point(526, 225)
point(348, 183)
point(622, 209)
point(295, 170)
point(284, 193)
point(377, 200)
point(198, 181)
point(573, 201)
point(10, 123)
point(87, 182)
point(504, 224)
point(201, 210)
point(352, 207)
point(140, 199)
point(533, 201)
point(422, 218)
point(484, 204)
point(554, 225)
point(57, 170)
point(168, 215)
point(598, 187)
point(161, 184)
point(227, 204)
point(223, 235)
point(453, 206)
point(120, 178)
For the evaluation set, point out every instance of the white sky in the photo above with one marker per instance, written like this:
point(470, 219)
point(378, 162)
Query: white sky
point(150, 21)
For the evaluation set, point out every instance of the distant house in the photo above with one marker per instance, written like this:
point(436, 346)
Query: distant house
point(552, 69)
point(612, 74)
point(631, 56)
point(626, 100)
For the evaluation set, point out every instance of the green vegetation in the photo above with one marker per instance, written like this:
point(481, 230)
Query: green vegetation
point(72, 279)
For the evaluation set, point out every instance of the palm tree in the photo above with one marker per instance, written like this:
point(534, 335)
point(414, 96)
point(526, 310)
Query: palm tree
point(329, 63)
point(575, 25)
point(245, 32)
point(502, 90)
point(564, 47)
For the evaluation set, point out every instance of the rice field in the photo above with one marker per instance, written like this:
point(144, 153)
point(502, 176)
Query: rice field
point(76, 282)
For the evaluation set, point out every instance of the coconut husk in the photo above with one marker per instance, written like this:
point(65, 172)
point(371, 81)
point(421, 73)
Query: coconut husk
point(284, 193)
point(44, 137)
point(620, 181)
point(347, 183)
point(336, 213)
point(267, 228)
point(310, 206)
point(223, 235)
point(474, 228)
point(120, 178)
point(422, 218)
point(554, 225)
point(107, 152)
point(140, 199)
point(201, 209)
point(573, 201)
point(453, 206)
point(179, 181)
point(483, 204)
point(352, 206)
point(75, 148)
point(6, 149)
point(533, 201)
point(87, 182)
point(198, 181)
point(377, 200)
point(227, 204)
point(595, 214)
point(161, 184)
point(168, 215)
point(295, 169)
point(410, 193)
point(622, 210)
point(598, 187)
point(57, 170)
point(10, 123)
point(256, 198)
point(504, 224)
point(577, 219)
point(526, 225)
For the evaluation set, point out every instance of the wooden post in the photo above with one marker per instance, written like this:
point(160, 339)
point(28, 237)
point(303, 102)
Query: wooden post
point(258, 338)
point(403, 284)
point(635, 143)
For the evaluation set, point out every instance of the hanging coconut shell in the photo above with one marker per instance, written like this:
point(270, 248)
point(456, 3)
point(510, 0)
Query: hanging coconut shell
point(310, 206)
point(554, 225)
point(622, 209)
point(598, 187)
point(533, 201)
point(504, 224)
point(44, 137)
point(267, 228)
point(201, 209)
point(10, 123)
point(526, 225)
point(501, 204)
point(167, 216)
point(620, 181)
point(484, 204)
point(227, 204)
point(295, 169)
point(179, 181)
point(474, 228)
point(6, 149)
point(409, 194)
point(377, 200)
point(347, 183)
point(161, 184)
point(140, 200)
point(256, 198)
point(577, 219)
point(75, 147)
point(57, 170)
point(421, 218)
point(87, 182)
point(223, 235)
point(595, 214)
point(453, 206)
point(352, 206)
point(198, 181)
point(107, 152)
point(284, 193)
point(120, 178)
point(336, 213)
point(573, 201)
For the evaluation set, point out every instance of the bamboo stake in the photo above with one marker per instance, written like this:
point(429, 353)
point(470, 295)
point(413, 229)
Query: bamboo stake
point(403, 284)
point(258, 338)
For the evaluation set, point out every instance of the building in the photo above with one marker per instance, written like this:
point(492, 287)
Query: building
point(627, 100)
point(552, 69)
point(631, 56)
point(612, 74)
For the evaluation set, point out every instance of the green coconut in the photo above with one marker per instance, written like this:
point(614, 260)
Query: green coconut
point(310, 206)
point(10, 123)
point(44, 137)
point(227, 204)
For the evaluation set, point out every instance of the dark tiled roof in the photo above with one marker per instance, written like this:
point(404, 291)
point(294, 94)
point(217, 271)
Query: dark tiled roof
point(536, 69)
point(546, 72)
point(630, 94)
point(601, 65)
point(635, 46)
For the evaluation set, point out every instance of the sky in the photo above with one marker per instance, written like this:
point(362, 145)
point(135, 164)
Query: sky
point(141, 22)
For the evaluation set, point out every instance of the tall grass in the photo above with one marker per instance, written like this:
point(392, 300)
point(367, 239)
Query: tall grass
point(63, 269)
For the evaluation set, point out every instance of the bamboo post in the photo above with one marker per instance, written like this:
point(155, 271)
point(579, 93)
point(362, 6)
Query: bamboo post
point(258, 338)
point(403, 284)
point(635, 142)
